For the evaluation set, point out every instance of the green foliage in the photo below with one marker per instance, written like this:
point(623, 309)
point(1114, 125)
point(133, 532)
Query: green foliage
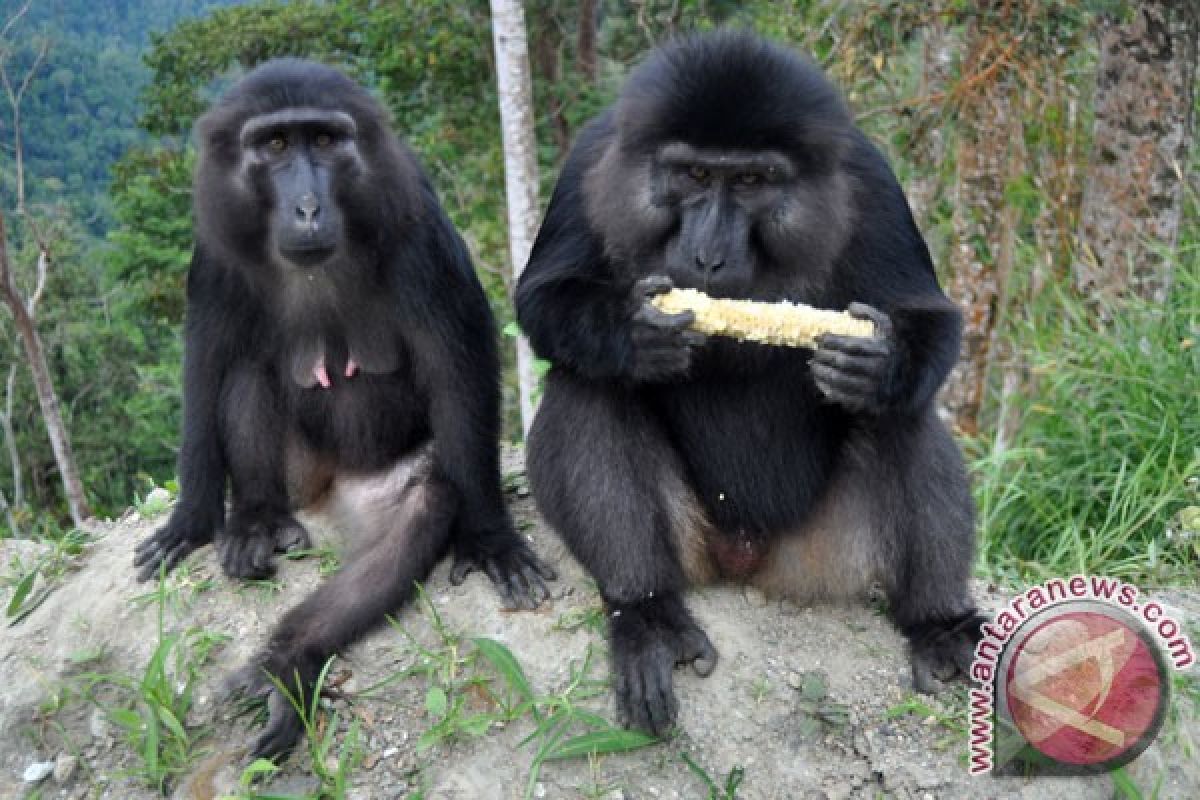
point(31, 582)
point(187, 62)
point(566, 728)
point(474, 684)
point(1106, 452)
point(331, 761)
point(726, 791)
point(149, 248)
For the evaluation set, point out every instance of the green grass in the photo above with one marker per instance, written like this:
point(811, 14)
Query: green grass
point(926, 710)
point(476, 684)
point(567, 728)
point(21, 578)
point(1106, 454)
point(150, 711)
point(331, 761)
point(590, 618)
point(328, 560)
point(178, 588)
point(724, 791)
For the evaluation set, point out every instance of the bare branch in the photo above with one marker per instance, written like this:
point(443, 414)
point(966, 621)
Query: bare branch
point(15, 97)
point(14, 19)
point(10, 438)
point(33, 68)
point(43, 262)
point(7, 285)
point(8, 90)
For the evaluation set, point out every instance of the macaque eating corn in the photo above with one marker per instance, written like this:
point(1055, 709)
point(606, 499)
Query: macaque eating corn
point(668, 459)
point(782, 323)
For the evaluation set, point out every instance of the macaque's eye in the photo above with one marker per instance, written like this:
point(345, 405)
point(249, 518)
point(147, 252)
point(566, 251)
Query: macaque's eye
point(277, 143)
point(749, 179)
point(323, 140)
point(699, 174)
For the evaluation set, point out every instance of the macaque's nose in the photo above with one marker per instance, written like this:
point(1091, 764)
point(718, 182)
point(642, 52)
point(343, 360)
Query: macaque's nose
point(307, 210)
point(708, 263)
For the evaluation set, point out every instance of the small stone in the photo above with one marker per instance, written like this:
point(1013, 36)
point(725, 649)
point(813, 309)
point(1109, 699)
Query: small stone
point(539, 790)
point(64, 767)
point(927, 779)
point(789, 607)
point(794, 679)
point(98, 724)
point(754, 597)
point(38, 771)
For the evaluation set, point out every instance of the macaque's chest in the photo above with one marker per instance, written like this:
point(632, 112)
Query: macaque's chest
point(362, 415)
point(756, 454)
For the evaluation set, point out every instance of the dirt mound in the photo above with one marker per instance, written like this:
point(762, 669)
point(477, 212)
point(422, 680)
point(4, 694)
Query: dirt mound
point(804, 703)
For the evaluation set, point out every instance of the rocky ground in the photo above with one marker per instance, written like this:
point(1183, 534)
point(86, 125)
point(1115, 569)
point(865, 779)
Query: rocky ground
point(804, 703)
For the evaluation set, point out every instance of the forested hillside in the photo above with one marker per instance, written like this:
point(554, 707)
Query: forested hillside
point(80, 114)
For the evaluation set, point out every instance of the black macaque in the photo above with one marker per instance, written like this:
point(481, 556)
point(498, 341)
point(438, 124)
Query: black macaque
point(665, 460)
point(339, 354)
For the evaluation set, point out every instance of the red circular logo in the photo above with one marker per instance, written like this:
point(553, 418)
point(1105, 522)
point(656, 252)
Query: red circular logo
point(1085, 686)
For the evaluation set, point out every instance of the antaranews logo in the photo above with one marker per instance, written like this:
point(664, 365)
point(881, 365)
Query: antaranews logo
point(1073, 678)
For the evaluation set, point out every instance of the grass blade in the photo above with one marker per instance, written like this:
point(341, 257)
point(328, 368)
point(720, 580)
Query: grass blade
point(507, 665)
point(611, 740)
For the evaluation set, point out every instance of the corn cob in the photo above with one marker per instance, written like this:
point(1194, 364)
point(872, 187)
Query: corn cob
point(782, 323)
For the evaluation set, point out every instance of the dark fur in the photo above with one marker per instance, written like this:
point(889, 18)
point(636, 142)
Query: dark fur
point(399, 295)
point(666, 461)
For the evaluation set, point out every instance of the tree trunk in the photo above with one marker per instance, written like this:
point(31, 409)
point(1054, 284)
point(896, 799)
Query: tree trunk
point(585, 57)
point(515, 91)
point(546, 63)
point(60, 443)
point(1133, 194)
point(984, 225)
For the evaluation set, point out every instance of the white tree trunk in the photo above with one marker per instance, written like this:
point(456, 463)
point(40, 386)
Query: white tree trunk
point(515, 89)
